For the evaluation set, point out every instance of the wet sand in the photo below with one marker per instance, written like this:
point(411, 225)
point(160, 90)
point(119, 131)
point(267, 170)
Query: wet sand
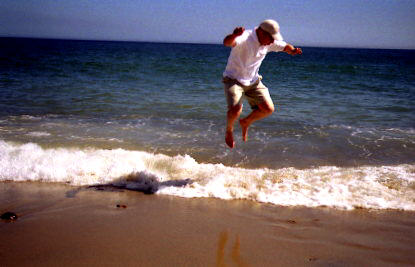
point(60, 225)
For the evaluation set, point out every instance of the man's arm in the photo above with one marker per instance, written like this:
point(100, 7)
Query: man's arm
point(291, 50)
point(230, 39)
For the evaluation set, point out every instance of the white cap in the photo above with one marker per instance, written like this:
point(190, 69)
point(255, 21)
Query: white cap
point(272, 27)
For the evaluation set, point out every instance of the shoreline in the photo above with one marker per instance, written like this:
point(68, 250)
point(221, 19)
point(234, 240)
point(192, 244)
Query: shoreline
point(59, 225)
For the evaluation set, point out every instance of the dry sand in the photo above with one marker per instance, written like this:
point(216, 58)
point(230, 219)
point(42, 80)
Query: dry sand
point(61, 226)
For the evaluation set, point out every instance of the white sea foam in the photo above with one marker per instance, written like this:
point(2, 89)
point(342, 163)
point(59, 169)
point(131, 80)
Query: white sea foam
point(96, 139)
point(38, 134)
point(381, 187)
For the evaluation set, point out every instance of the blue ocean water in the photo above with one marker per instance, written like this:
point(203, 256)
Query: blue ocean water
point(343, 109)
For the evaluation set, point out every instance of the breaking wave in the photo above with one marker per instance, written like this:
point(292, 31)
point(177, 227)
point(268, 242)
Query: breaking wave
point(377, 187)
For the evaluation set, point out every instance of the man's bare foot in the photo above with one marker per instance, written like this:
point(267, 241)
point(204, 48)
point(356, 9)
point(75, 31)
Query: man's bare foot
point(229, 139)
point(244, 126)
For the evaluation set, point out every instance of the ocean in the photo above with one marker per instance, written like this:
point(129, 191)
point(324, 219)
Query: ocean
point(151, 117)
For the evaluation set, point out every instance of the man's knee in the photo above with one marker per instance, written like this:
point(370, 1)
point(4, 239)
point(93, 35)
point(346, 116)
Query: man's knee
point(267, 108)
point(234, 110)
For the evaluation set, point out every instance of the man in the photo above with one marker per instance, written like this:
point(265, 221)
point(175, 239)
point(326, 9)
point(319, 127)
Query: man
point(241, 77)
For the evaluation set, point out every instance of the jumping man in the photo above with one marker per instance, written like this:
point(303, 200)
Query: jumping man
point(241, 78)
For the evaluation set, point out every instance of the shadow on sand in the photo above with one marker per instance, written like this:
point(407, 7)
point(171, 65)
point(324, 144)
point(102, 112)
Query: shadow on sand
point(145, 182)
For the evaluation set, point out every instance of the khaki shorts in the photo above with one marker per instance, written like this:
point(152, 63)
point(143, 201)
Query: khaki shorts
point(255, 93)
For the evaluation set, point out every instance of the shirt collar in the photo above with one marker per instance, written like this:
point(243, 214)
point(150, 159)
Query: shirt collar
point(257, 41)
point(256, 36)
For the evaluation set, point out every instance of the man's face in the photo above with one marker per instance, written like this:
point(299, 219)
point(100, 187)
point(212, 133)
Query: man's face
point(264, 37)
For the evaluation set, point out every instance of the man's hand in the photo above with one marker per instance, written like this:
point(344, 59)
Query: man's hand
point(291, 50)
point(230, 39)
point(296, 51)
point(238, 31)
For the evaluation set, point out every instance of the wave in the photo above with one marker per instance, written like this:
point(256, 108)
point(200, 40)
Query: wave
point(377, 187)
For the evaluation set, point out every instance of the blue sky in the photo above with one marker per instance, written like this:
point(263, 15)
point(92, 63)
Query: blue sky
point(333, 23)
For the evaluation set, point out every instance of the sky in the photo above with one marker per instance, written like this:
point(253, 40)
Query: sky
point(322, 23)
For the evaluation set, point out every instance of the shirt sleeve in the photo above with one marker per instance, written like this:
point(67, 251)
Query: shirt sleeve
point(242, 38)
point(277, 46)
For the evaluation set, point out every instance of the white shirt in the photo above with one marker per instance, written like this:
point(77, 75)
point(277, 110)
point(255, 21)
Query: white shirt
point(246, 57)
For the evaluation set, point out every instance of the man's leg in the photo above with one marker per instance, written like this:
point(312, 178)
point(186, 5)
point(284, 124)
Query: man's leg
point(233, 92)
point(264, 109)
point(232, 115)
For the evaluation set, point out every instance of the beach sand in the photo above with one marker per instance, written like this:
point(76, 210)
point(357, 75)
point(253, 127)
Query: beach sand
point(59, 225)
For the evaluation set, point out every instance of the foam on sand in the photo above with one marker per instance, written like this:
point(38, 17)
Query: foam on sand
point(379, 187)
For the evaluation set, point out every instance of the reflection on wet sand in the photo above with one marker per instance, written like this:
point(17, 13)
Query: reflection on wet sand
point(236, 251)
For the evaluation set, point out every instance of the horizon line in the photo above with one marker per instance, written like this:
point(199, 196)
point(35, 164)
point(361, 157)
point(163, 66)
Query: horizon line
point(190, 42)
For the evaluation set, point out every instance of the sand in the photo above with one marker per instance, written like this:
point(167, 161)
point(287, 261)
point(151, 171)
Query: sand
point(59, 225)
